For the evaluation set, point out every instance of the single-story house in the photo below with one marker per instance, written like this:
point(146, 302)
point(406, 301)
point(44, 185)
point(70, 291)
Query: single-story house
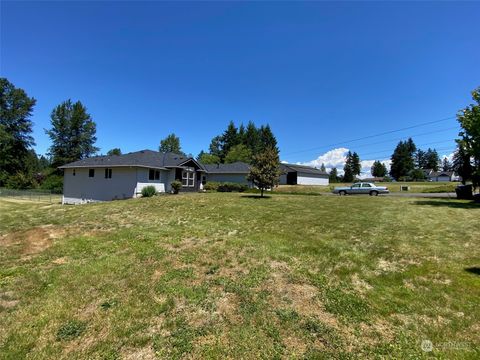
point(112, 177)
point(104, 178)
point(442, 176)
point(293, 174)
point(236, 172)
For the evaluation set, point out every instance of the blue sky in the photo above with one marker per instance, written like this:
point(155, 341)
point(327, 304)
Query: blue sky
point(319, 73)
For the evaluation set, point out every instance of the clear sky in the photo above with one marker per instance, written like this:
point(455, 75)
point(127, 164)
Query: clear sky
point(319, 73)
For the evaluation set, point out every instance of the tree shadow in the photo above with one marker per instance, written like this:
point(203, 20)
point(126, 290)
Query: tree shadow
point(458, 204)
point(473, 270)
point(256, 197)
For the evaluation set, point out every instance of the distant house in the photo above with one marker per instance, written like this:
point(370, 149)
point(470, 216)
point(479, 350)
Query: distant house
point(442, 176)
point(104, 178)
point(293, 174)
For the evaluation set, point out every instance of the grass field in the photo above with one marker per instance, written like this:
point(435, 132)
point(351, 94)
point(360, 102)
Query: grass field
point(415, 187)
point(233, 276)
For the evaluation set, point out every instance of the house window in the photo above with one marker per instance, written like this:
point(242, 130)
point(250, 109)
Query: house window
point(91, 172)
point(188, 177)
point(73, 172)
point(154, 174)
point(108, 173)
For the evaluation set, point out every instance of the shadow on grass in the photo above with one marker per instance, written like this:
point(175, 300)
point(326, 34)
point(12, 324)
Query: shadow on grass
point(473, 270)
point(449, 203)
point(256, 197)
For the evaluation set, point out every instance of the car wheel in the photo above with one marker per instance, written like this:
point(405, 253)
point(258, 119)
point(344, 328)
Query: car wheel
point(342, 193)
point(373, 193)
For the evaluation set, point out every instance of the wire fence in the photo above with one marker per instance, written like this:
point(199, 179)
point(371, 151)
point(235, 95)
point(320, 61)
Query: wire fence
point(30, 195)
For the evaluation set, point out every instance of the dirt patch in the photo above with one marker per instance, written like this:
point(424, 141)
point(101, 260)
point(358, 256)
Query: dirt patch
point(360, 285)
point(145, 353)
point(33, 241)
point(227, 308)
point(60, 261)
point(295, 346)
point(7, 301)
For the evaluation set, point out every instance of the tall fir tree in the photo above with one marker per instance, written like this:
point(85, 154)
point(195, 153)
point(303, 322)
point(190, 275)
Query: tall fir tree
point(403, 159)
point(72, 133)
point(378, 169)
point(16, 139)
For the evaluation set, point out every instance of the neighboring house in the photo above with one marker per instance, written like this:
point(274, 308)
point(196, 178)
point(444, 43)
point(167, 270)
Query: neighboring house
point(302, 175)
point(236, 172)
point(104, 178)
point(442, 176)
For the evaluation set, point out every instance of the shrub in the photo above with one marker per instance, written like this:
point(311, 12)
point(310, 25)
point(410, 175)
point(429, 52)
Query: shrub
point(54, 183)
point(211, 186)
point(230, 187)
point(176, 186)
point(149, 191)
point(21, 181)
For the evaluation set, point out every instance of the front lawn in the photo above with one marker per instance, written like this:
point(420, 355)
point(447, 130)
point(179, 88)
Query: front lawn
point(232, 276)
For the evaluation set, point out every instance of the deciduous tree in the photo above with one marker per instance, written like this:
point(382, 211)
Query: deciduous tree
point(265, 169)
point(170, 144)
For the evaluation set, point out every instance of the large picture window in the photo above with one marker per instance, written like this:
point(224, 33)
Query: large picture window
point(108, 173)
point(188, 177)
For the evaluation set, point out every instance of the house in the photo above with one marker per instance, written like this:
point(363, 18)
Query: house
point(442, 176)
point(236, 172)
point(104, 178)
point(293, 174)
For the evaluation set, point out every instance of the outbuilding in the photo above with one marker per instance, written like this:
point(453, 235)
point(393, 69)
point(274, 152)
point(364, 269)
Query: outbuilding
point(293, 174)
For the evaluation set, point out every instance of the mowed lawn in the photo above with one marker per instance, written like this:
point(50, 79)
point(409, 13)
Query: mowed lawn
point(232, 276)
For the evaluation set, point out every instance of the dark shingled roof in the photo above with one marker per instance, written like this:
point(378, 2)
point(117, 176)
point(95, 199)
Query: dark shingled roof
point(233, 168)
point(286, 168)
point(143, 158)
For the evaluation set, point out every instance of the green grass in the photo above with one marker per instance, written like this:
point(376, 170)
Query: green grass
point(225, 275)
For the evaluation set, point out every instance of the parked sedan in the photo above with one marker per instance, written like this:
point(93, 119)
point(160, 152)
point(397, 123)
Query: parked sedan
point(361, 188)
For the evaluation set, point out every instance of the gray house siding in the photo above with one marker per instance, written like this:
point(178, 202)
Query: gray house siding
point(234, 178)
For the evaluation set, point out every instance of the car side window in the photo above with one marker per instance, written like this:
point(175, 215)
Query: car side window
point(366, 185)
point(356, 186)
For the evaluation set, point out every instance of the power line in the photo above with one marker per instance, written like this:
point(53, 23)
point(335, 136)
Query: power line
point(372, 136)
point(425, 144)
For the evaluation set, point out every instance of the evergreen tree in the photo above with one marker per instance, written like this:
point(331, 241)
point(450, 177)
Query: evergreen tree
point(267, 139)
point(72, 133)
point(252, 138)
point(206, 158)
point(378, 169)
point(333, 176)
point(215, 148)
point(265, 169)
point(322, 168)
point(420, 159)
point(352, 167)
point(114, 151)
point(171, 144)
point(403, 159)
point(462, 163)
point(230, 138)
point(239, 152)
point(446, 165)
point(15, 129)
point(432, 160)
point(469, 142)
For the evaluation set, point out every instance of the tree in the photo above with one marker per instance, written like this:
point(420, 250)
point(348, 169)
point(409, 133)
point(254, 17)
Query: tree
point(432, 160)
point(230, 138)
point(333, 176)
point(72, 133)
point(265, 169)
point(352, 167)
point(446, 165)
point(420, 159)
point(215, 147)
point(417, 174)
point(378, 169)
point(322, 168)
point(403, 159)
point(462, 164)
point(114, 151)
point(252, 138)
point(16, 108)
point(469, 142)
point(267, 139)
point(239, 152)
point(170, 144)
point(206, 158)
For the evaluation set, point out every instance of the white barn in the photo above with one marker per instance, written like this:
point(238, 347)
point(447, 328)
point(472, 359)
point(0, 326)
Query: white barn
point(293, 174)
